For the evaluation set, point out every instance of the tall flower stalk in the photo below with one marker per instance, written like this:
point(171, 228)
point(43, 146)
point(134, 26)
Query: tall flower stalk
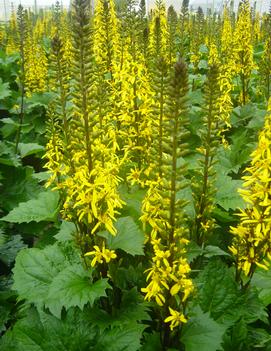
point(21, 19)
point(89, 165)
point(163, 210)
point(244, 49)
point(204, 183)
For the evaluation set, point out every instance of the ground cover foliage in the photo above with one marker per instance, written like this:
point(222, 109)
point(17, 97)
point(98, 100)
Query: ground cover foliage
point(135, 178)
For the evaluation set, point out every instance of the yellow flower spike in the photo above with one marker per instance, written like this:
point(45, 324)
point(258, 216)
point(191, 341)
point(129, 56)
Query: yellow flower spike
point(243, 48)
point(159, 36)
point(107, 40)
point(251, 243)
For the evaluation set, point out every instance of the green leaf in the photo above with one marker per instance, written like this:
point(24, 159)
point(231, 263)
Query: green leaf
point(218, 292)
point(35, 270)
point(72, 287)
point(185, 194)
point(44, 208)
point(120, 339)
point(43, 332)
point(243, 114)
point(236, 337)
point(152, 342)
point(67, 229)
point(195, 98)
point(18, 186)
point(5, 314)
point(227, 195)
point(29, 149)
point(238, 154)
point(129, 237)
point(7, 154)
point(223, 216)
point(9, 250)
point(39, 100)
point(55, 278)
point(261, 338)
point(133, 201)
point(10, 126)
point(251, 307)
point(10, 121)
point(41, 176)
point(262, 281)
point(4, 90)
point(257, 121)
point(203, 64)
point(131, 311)
point(203, 49)
point(202, 333)
point(127, 275)
point(210, 251)
point(193, 251)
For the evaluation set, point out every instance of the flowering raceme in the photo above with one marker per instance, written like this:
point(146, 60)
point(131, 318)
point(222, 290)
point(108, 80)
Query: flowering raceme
point(87, 172)
point(132, 106)
point(243, 48)
point(251, 242)
point(12, 35)
point(35, 64)
point(204, 181)
point(227, 68)
point(106, 45)
point(158, 42)
point(163, 210)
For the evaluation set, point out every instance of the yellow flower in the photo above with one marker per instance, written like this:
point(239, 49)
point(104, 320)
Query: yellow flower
point(175, 319)
point(134, 176)
point(109, 255)
point(101, 255)
point(154, 290)
point(98, 256)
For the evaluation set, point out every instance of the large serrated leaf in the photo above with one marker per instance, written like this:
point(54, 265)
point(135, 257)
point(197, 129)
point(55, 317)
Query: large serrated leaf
point(129, 237)
point(218, 292)
point(66, 231)
point(220, 295)
point(202, 333)
point(72, 287)
point(120, 339)
point(55, 278)
point(43, 208)
point(35, 270)
point(4, 90)
point(43, 332)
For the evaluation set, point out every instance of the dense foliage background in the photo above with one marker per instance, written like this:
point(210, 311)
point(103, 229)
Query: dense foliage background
point(135, 179)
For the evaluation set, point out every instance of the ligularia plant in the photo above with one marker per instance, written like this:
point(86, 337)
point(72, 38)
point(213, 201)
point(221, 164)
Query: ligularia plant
point(126, 132)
